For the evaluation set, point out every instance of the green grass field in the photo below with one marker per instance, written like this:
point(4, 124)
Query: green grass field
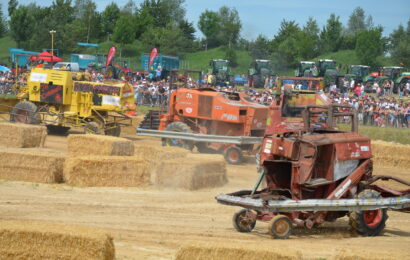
point(397, 135)
point(6, 43)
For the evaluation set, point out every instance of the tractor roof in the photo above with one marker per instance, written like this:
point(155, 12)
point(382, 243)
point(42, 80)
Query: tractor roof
point(220, 60)
point(307, 62)
point(326, 60)
point(362, 66)
point(263, 60)
point(393, 67)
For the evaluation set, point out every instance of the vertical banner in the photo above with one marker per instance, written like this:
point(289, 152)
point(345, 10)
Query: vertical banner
point(110, 55)
point(154, 54)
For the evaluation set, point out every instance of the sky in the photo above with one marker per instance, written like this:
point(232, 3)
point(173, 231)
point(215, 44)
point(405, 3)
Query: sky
point(264, 16)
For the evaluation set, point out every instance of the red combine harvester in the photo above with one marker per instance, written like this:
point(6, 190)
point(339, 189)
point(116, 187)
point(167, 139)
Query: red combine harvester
point(315, 173)
point(213, 121)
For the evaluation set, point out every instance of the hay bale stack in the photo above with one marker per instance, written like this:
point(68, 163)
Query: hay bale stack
point(79, 145)
point(36, 240)
point(391, 154)
point(153, 154)
point(22, 135)
point(109, 171)
point(31, 164)
point(228, 252)
point(192, 172)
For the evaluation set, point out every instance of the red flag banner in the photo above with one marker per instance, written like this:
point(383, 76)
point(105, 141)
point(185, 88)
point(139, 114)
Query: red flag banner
point(154, 54)
point(110, 55)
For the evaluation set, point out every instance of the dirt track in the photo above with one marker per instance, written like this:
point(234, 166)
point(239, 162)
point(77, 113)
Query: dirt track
point(153, 224)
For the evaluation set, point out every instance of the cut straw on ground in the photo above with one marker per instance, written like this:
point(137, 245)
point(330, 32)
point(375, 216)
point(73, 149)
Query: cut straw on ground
point(391, 154)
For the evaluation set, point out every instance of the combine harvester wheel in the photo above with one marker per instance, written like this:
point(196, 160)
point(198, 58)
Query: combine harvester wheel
point(178, 127)
point(280, 227)
point(368, 222)
point(24, 112)
point(244, 221)
point(234, 155)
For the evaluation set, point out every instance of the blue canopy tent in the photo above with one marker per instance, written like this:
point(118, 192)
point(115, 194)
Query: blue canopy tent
point(2, 68)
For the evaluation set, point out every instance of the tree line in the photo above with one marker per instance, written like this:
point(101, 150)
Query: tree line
point(163, 24)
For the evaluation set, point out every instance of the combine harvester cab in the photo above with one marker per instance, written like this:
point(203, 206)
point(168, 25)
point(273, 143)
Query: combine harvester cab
point(61, 99)
point(225, 122)
point(316, 173)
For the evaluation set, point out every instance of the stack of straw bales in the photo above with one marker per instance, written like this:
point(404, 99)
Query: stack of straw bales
point(31, 164)
point(228, 252)
point(37, 240)
point(391, 154)
point(195, 171)
point(22, 135)
point(99, 145)
point(95, 160)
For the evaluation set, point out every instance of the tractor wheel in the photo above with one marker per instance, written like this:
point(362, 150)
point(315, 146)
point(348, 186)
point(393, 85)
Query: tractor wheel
point(110, 72)
point(233, 155)
point(93, 128)
point(280, 227)
point(113, 131)
point(243, 221)
point(178, 127)
point(368, 222)
point(57, 130)
point(25, 112)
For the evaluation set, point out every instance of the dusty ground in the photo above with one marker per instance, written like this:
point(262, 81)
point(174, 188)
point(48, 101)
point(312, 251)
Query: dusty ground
point(153, 224)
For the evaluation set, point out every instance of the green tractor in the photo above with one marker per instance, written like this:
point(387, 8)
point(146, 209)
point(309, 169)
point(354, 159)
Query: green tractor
point(359, 73)
point(258, 72)
point(396, 74)
point(305, 69)
point(220, 71)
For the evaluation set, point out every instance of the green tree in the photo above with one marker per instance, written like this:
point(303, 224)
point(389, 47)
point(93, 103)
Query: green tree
point(369, 46)
point(109, 18)
point(164, 12)
point(21, 26)
point(3, 24)
point(330, 35)
point(310, 39)
point(230, 55)
point(209, 24)
point(260, 49)
point(124, 30)
point(400, 45)
point(12, 7)
point(358, 21)
point(285, 46)
point(142, 21)
point(230, 26)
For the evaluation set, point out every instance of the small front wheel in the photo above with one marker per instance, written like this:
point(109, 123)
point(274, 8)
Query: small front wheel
point(280, 227)
point(244, 221)
point(233, 155)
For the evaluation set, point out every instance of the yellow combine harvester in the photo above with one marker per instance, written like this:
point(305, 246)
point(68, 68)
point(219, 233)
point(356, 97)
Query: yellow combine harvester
point(61, 99)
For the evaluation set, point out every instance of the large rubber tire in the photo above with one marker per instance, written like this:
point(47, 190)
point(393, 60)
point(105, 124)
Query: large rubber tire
point(114, 131)
point(280, 227)
point(178, 127)
point(368, 222)
point(93, 128)
point(242, 222)
point(57, 130)
point(25, 112)
point(233, 155)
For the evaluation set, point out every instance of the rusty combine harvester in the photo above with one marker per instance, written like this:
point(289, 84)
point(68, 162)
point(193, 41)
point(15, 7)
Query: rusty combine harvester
point(315, 173)
point(213, 121)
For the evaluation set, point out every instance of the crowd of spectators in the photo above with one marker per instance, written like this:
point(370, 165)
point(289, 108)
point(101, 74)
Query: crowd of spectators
point(6, 82)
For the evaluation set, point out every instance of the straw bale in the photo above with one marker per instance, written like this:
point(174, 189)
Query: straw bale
point(109, 171)
point(39, 240)
point(391, 154)
point(31, 164)
point(79, 145)
point(192, 172)
point(154, 154)
point(22, 135)
point(131, 130)
point(228, 252)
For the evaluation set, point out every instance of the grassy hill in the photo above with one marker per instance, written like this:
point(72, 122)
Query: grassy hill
point(200, 60)
point(195, 61)
point(6, 43)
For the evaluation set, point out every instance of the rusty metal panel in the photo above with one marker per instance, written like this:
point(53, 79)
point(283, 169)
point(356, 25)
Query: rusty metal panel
point(353, 150)
point(205, 104)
